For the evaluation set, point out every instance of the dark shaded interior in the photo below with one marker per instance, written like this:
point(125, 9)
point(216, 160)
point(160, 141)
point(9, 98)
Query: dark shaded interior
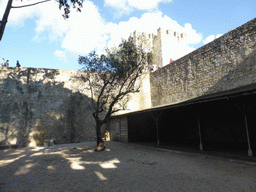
point(141, 128)
point(222, 125)
point(178, 126)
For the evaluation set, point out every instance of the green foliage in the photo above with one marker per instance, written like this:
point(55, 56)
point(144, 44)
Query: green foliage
point(143, 41)
point(65, 4)
point(121, 61)
point(112, 77)
point(150, 58)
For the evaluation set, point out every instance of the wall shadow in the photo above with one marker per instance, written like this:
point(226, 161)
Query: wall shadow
point(36, 104)
point(225, 118)
point(141, 128)
point(222, 123)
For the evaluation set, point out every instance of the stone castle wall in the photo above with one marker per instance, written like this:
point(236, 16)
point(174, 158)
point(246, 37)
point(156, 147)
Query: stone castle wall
point(226, 63)
point(38, 104)
point(141, 100)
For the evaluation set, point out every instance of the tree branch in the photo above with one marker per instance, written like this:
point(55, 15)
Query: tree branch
point(5, 17)
point(91, 94)
point(102, 91)
point(30, 4)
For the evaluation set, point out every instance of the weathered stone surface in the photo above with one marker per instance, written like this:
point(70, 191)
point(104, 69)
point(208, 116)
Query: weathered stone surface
point(118, 129)
point(39, 104)
point(48, 143)
point(226, 63)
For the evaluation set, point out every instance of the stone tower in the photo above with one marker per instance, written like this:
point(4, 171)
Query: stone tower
point(158, 44)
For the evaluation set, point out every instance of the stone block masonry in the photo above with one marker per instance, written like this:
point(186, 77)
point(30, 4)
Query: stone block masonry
point(39, 104)
point(226, 63)
point(118, 129)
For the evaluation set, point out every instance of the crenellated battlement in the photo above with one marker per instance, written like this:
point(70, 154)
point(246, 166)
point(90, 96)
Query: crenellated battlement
point(160, 33)
point(177, 35)
point(155, 43)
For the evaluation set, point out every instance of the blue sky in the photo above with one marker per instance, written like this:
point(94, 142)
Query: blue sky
point(39, 37)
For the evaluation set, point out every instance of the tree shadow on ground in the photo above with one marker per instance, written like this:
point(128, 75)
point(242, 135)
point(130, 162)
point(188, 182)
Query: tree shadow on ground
point(77, 167)
point(60, 167)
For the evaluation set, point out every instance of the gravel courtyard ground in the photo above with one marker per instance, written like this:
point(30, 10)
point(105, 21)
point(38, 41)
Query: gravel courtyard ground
point(122, 167)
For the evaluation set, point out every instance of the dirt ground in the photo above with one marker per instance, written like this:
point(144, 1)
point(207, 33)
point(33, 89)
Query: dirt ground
point(122, 167)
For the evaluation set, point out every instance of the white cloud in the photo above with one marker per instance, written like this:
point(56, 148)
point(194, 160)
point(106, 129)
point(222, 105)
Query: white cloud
point(126, 6)
point(211, 38)
point(49, 17)
point(219, 35)
point(121, 7)
point(144, 4)
point(93, 33)
point(18, 16)
point(3, 4)
point(149, 23)
point(86, 30)
point(61, 55)
point(51, 20)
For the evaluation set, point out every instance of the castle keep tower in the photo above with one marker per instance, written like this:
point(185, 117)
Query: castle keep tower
point(159, 45)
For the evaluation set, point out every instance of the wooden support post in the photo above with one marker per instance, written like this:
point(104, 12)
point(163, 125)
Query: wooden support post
point(199, 127)
point(244, 111)
point(248, 138)
point(156, 118)
point(157, 134)
point(200, 136)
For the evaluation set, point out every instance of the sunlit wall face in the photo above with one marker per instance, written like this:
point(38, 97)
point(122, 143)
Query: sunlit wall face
point(39, 104)
point(170, 47)
point(174, 46)
point(142, 99)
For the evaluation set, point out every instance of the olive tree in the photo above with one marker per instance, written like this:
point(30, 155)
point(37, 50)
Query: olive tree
point(111, 78)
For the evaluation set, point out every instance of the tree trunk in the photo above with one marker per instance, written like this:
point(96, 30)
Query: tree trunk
point(5, 18)
point(100, 142)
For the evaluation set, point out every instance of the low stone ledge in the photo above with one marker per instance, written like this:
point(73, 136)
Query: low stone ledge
point(9, 146)
point(48, 143)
